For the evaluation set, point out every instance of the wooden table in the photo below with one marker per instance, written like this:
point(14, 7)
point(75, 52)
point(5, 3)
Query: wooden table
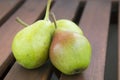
point(99, 19)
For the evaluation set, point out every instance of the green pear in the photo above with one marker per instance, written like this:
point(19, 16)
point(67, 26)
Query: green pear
point(70, 52)
point(31, 45)
point(67, 25)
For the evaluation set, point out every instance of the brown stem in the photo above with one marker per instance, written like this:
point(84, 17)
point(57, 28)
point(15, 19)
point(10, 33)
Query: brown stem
point(53, 18)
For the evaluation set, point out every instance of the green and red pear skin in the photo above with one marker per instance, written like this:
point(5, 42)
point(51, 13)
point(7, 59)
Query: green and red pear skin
point(70, 52)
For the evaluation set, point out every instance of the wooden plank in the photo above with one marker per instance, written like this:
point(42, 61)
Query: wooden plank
point(115, 0)
point(95, 24)
point(65, 9)
point(19, 73)
point(29, 12)
point(119, 43)
point(7, 8)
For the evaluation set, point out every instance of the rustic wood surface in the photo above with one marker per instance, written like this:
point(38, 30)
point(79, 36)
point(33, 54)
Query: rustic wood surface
point(119, 44)
point(68, 12)
point(7, 11)
point(93, 17)
point(19, 73)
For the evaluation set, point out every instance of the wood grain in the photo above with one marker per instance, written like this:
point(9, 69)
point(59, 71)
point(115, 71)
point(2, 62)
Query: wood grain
point(7, 8)
point(94, 22)
point(65, 9)
point(19, 73)
point(119, 43)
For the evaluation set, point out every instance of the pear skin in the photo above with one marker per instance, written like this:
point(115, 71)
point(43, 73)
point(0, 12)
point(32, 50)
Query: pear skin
point(31, 45)
point(70, 52)
point(67, 25)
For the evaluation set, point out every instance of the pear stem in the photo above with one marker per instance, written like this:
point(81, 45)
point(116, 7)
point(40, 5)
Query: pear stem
point(47, 10)
point(53, 18)
point(21, 22)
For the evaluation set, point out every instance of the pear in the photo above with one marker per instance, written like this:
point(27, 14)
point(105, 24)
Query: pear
point(67, 25)
point(30, 46)
point(70, 52)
